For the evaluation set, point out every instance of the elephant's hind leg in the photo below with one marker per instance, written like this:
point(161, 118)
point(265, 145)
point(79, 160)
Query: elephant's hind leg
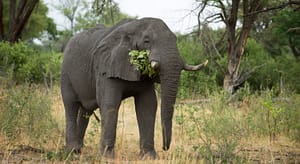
point(71, 112)
point(82, 123)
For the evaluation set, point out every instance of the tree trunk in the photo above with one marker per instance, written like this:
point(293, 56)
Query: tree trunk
point(12, 18)
point(1, 22)
point(18, 17)
point(232, 62)
point(236, 44)
point(235, 53)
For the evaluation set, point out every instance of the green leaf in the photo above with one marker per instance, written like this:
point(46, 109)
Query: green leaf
point(140, 60)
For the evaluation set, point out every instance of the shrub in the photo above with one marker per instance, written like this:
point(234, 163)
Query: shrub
point(272, 115)
point(195, 83)
point(280, 72)
point(25, 112)
point(215, 131)
point(23, 64)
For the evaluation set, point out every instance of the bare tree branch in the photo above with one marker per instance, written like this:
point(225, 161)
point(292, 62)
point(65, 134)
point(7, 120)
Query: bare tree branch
point(209, 46)
point(213, 18)
point(199, 14)
point(295, 29)
point(290, 2)
point(245, 76)
point(223, 8)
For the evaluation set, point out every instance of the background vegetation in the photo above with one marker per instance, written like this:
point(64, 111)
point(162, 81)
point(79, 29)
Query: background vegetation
point(259, 121)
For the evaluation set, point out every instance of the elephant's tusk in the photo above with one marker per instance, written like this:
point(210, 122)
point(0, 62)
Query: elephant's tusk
point(196, 67)
point(154, 64)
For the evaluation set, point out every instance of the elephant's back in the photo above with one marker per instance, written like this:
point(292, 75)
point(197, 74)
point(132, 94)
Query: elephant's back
point(77, 63)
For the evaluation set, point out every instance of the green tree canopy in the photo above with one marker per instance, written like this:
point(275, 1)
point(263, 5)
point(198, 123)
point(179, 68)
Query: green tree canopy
point(286, 27)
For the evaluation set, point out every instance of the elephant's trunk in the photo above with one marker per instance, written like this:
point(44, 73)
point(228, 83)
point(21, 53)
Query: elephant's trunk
point(169, 78)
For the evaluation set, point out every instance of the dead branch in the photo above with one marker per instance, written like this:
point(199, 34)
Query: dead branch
point(295, 29)
point(243, 77)
point(279, 7)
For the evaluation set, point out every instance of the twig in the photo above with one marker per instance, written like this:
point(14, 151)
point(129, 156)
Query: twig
point(96, 117)
point(26, 148)
point(273, 8)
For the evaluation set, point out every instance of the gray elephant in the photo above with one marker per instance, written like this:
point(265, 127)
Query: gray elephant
point(96, 73)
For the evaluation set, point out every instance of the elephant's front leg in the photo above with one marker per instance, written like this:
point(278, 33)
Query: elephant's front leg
point(146, 107)
point(109, 101)
point(109, 118)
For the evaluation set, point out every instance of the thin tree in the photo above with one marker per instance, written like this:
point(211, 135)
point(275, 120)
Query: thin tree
point(69, 9)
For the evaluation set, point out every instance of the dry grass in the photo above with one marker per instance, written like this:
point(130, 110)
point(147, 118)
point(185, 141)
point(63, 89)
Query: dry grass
point(255, 149)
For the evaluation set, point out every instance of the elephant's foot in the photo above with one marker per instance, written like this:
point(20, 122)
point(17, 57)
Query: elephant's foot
point(73, 149)
point(107, 152)
point(148, 155)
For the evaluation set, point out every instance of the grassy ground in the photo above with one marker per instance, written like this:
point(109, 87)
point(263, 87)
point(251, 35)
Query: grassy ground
point(210, 130)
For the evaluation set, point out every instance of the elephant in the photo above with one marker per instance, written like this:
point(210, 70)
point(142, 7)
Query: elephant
point(96, 74)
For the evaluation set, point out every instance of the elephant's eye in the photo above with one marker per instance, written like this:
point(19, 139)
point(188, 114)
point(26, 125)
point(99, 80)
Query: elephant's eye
point(146, 41)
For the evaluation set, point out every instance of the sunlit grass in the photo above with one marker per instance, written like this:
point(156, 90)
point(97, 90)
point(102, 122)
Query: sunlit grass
point(204, 130)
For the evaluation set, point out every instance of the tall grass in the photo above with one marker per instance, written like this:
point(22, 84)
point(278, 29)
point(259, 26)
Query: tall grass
point(217, 129)
point(26, 119)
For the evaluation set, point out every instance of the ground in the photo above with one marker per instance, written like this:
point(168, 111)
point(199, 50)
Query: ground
point(250, 150)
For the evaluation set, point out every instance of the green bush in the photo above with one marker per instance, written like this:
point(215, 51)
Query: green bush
point(280, 72)
point(272, 115)
point(193, 84)
point(23, 64)
point(267, 72)
point(215, 131)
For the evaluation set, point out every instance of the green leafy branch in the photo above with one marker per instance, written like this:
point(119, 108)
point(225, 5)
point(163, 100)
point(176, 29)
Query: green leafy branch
point(140, 60)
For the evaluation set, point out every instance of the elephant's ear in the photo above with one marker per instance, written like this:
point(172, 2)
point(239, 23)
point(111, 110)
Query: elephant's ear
point(119, 65)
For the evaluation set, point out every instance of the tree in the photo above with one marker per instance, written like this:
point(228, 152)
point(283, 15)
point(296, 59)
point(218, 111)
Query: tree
point(87, 13)
point(83, 14)
point(69, 9)
point(286, 28)
point(19, 14)
point(239, 17)
point(279, 31)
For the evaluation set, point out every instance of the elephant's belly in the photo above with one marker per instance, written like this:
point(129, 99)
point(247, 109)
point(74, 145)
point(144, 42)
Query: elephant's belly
point(89, 104)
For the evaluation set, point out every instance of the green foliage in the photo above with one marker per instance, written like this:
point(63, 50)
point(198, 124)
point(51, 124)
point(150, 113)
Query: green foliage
point(215, 129)
point(26, 112)
point(272, 115)
point(256, 59)
point(277, 31)
point(109, 16)
point(284, 26)
point(193, 84)
point(216, 133)
point(23, 63)
point(38, 23)
point(140, 60)
point(280, 72)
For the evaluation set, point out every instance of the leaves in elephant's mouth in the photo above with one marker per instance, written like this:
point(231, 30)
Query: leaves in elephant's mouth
point(140, 60)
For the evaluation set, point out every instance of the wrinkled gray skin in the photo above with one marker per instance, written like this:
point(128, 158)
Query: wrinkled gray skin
point(96, 73)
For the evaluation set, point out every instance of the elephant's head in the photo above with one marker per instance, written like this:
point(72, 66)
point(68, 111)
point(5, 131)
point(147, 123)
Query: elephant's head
point(154, 35)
